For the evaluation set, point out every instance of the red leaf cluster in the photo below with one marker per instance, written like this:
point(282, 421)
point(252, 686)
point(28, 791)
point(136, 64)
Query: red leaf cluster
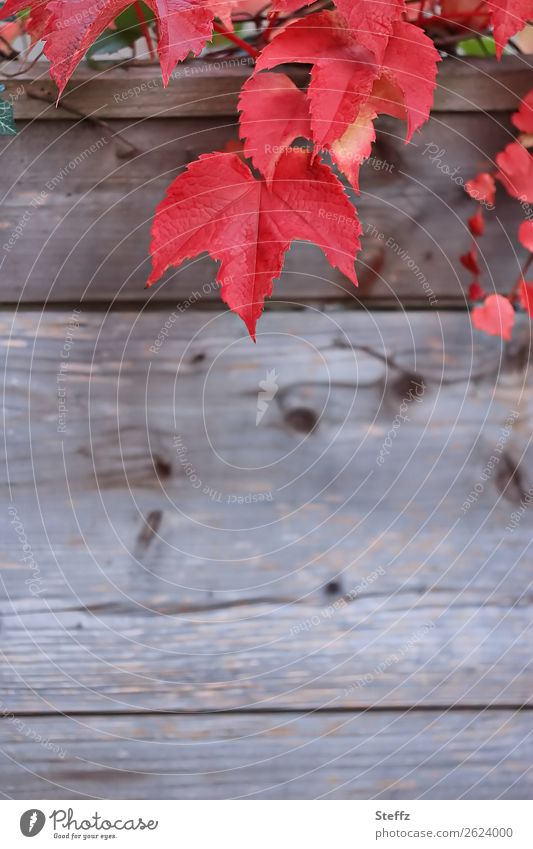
point(515, 173)
point(366, 58)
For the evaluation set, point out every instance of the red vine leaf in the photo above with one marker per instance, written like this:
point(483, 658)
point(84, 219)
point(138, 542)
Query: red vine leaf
point(217, 206)
point(476, 223)
point(69, 27)
point(348, 88)
point(469, 260)
point(496, 317)
point(525, 234)
point(274, 113)
point(526, 296)
point(475, 292)
point(523, 119)
point(508, 18)
point(343, 71)
point(408, 76)
point(369, 20)
point(482, 188)
point(516, 171)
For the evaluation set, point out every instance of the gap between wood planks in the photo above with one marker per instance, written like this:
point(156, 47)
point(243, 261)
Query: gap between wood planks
point(405, 709)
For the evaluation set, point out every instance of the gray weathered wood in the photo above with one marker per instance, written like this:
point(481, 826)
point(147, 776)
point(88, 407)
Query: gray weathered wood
point(468, 755)
point(198, 88)
point(193, 600)
point(78, 214)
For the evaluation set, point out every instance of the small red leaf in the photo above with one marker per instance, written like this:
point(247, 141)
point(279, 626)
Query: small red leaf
point(477, 223)
point(525, 234)
point(482, 188)
point(526, 296)
point(496, 317)
point(523, 119)
point(475, 292)
point(469, 260)
point(516, 171)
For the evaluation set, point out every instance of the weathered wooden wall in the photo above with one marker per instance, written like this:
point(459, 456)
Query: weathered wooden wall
point(198, 606)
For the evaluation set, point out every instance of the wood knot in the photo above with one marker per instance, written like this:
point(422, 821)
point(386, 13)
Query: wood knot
point(301, 419)
point(333, 588)
point(162, 467)
point(408, 386)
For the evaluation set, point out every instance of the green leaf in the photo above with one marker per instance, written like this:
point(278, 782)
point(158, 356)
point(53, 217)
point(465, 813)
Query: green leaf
point(483, 46)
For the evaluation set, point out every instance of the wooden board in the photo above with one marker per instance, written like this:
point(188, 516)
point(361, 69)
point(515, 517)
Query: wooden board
point(75, 216)
point(331, 602)
point(199, 88)
point(428, 755)
point(240, 588)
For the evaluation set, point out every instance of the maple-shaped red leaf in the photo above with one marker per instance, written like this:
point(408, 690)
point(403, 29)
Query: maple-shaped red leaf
point(476, 292)
point(345, 77)
point(508, 18)
point(342, 75)
point(516, 171)
point(526, 296)
point(217, 206)
point(496, 317)
point(369, 20)
point(525, 234)
point(274, 112)
point(482, 188)
point(408, 76)
point(69, 27)
point(523, 119)
point(476, 223)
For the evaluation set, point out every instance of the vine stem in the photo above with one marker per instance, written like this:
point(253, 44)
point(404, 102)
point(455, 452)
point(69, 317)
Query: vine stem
point(139, 11)
point(235, 39)
point(514, 291)
point(272, 20)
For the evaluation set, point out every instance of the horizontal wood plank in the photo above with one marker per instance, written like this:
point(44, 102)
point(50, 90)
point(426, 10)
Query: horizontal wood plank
point(453, 755)
point(76, 216)
point(241, 587)
point(200, 88)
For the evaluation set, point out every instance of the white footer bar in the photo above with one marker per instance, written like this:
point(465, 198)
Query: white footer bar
point(268, 824)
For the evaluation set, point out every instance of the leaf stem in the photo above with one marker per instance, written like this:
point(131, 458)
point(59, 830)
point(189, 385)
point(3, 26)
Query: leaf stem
point(272, 20)
point(139, 11)
point(235, 39)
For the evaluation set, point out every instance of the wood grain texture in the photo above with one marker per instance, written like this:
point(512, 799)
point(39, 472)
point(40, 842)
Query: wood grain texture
point(198, 88)
point(76, 215)
point(436, 755)
point(161, 552)
point(293, 571)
